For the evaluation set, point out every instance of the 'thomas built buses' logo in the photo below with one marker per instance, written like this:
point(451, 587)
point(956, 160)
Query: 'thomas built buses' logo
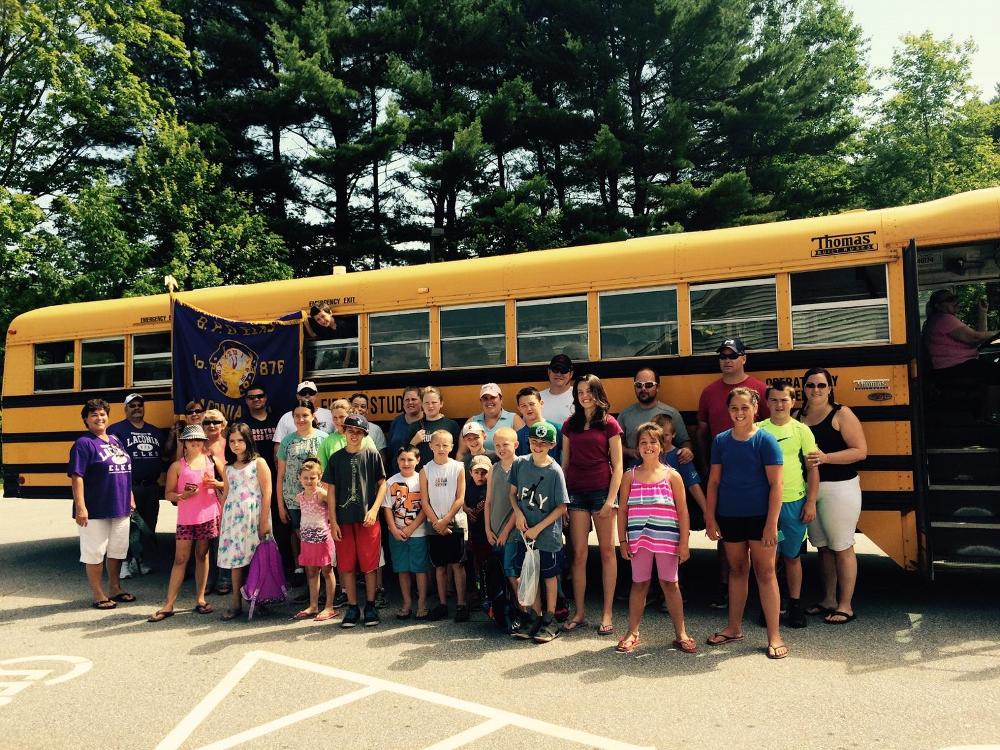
point(233, 366)
point(840, 244)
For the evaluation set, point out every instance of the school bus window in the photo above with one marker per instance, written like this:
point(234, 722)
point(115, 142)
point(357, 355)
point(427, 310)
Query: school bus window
point(103, 363)
point(473, 335)
point(54, 366)
point(745, 308)
point(334, 348)
point(638, 324)
point(399, 341)
point(151, 363)
point(840, 306)
point(551, 326)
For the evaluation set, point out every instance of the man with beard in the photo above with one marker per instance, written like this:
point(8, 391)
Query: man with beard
point(646, 407)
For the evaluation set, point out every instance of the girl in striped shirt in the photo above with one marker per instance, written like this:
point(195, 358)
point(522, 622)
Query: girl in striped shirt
point(652, 510)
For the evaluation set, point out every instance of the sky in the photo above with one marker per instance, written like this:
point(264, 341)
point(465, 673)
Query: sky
point(885, 21)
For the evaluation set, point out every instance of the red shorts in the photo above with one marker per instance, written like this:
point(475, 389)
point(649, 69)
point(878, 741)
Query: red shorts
point(359, 548)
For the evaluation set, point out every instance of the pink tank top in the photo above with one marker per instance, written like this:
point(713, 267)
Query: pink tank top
point(201, 507)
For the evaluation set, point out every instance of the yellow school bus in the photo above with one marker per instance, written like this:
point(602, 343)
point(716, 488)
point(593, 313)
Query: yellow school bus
point(840, 291)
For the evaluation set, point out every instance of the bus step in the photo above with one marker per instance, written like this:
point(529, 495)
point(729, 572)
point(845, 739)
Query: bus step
point(972, 464)
point(968, 563)
point(957, 540)
point(964, 502)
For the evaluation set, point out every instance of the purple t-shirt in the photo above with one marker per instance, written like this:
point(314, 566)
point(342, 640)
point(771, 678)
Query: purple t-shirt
point(589, 467)
point(145, 446)
point(107, 475)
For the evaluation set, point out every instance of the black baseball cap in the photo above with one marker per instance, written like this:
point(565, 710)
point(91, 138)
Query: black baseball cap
point(561, 362)
point(356, 421)
point(735, 343)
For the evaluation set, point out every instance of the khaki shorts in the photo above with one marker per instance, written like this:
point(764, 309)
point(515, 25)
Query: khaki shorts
point(103, 536)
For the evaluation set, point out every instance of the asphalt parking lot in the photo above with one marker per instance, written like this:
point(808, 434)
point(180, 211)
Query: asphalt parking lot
point(919, 668)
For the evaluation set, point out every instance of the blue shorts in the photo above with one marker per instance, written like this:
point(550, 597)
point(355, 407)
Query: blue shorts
point(551, 563)
point(410, 556)
point(294, 518)
point(591, 500)
point(790, 524)
point(507, 552)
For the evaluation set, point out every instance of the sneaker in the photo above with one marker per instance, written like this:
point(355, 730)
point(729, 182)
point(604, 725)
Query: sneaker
point(129, 568)
point(526, 628)
point(371, 615)
point(796, 615)
point(298, 572)
point(380, 601)
point(548, 631)
point(721, 600)
point(145, 569)
point(462, 613)
point(340, 599)
point(438, 612)
point(351, 617)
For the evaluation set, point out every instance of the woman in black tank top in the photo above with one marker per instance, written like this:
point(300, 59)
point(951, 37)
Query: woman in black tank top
point(841, 444)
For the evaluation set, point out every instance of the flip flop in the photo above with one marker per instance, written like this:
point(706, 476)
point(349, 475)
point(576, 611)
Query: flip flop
point(404, 614)
point(572, 625)
point(231, 614)
point(204, 609)
point(688, 645)
point(104, 604)
point(123, 596)
point(160, 616)
point(423, 615)
point(837, 613)
point(628, 644)
point(777, 652)
point(717, 639)
point(818, 609)
point(324, 616)
point(305, 614)
point(606, 630)
point(223, 590)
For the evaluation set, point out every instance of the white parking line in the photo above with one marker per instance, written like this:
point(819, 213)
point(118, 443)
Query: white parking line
point(495, 718)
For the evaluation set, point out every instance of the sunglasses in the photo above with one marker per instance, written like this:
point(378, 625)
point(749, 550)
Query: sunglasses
point(256, 396)
point(560, 370)
point(210, 422)
point(307, 392)
point(644, 384)
point(192, 412)
point(730, 356)
point(818, 386)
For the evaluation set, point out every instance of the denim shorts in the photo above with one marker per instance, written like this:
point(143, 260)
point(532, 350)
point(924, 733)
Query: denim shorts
point(551, 564)
point(590, 500)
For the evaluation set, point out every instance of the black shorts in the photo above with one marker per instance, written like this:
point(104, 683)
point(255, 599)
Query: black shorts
point(446, 550)
point(741, 529)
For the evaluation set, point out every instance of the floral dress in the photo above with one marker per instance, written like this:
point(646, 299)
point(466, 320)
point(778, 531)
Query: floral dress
point(238, 537)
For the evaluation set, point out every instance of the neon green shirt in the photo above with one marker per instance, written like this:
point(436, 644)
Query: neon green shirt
point(795, 439)
point(334, 442)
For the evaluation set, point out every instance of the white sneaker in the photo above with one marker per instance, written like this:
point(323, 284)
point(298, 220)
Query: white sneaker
point(126, 569)
point(145, 569)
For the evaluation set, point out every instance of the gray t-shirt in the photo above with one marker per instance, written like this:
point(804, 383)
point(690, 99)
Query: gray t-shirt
point(500, 509)
point(540, 490)
point(635, 416)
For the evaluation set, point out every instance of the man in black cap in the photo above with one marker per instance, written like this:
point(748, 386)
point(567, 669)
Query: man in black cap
point(713, 418)
point(558, 397)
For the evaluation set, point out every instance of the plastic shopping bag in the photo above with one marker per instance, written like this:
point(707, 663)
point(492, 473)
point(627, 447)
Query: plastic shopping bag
point(527, 589)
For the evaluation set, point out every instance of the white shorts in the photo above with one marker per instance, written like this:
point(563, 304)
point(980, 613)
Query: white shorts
point(838, 508)
point(103, 536)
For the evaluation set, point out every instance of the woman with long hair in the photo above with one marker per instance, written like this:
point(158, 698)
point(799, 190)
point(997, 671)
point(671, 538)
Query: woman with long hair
point(840, 444)
point(592, 462)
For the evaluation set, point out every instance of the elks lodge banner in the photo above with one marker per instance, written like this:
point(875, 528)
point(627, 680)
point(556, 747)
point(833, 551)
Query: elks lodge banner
point(216, 360)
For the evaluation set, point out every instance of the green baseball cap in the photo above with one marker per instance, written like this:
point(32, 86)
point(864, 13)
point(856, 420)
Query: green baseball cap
point(542, 431)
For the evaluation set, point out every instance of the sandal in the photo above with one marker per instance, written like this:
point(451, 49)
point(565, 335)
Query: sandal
point(404, 614)
point(324, 616)
point(160, 615)
point(423, 614)
point(123, 597)
point(818, 609)
point(231, 614)
point(204, 609)
point(104, 604)
point(628, 644)
point(573, 625)
point(606, 629)
point(304, 614)
point(717, 639)
point(777, 652)
point(687, 645)
point(838, 613)
point(223, 590)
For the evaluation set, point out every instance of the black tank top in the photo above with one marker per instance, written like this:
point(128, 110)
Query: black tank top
point(829, 440)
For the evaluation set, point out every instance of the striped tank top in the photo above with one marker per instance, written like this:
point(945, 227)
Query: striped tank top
point(652, 517)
